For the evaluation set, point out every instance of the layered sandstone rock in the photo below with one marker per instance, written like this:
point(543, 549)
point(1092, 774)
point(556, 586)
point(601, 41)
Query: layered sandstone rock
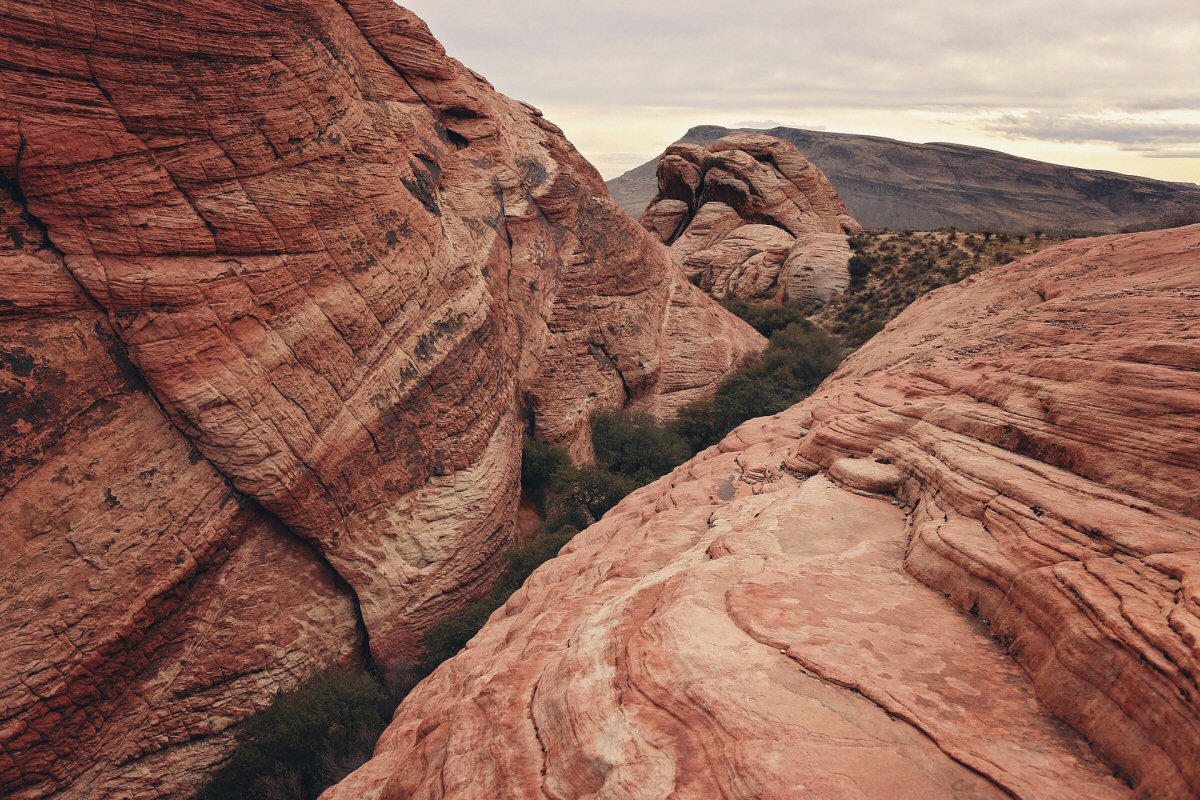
point(279, 301)
point(750, 217)
point(965, 568)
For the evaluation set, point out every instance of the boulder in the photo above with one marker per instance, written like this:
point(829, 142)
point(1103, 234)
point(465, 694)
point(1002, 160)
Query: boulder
point(713, 203)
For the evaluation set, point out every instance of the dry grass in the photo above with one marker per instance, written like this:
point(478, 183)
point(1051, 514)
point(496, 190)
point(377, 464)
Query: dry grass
point(891, 269)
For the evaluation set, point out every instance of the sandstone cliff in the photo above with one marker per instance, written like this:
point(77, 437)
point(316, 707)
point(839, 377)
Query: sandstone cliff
point(278, 300)
point(904, 185)
point(752, 218)
point(965, 568)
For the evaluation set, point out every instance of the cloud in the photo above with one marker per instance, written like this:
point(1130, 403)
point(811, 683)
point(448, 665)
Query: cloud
point(1081, 54)
point(1151, 136)
point(767, 124)
point(1169, 153)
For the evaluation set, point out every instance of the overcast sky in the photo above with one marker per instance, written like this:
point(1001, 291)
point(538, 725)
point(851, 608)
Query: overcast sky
point(1110, 84)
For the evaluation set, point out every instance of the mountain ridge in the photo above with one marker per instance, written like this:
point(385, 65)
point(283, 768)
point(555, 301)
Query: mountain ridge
point(889, 183)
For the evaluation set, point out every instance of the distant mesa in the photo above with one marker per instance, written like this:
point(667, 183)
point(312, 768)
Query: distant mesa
point(750, 217)
point(904, 186)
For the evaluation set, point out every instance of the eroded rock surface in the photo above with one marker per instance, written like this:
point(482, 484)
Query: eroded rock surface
point(750, 217)
point(965, 567)
point(278, 300)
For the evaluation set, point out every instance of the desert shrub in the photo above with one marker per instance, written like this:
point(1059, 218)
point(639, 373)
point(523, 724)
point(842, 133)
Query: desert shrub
point(796, 360)
point(562, 514)
point(307, 740)
point(860, 267)
point(636, 445)
point(765, 317)
point(860, 333)
point(527, 556)
point(452, 633)
point(586, 492)
point(540, 462)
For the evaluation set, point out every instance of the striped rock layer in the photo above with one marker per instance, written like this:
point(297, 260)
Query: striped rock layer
point(967, 567)
point(282, 287)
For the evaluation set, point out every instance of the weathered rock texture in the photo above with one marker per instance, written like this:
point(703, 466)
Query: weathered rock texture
point(908, 186)
point(971, 554)
point(278, 299)
point(750, 217)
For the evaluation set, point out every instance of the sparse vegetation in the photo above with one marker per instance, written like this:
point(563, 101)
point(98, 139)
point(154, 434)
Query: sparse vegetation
point(307, 740)
point(795, 362)
point(637, 446)
point(1189, 215)
point(765, 317)
point(540, 462)
point(890, 270)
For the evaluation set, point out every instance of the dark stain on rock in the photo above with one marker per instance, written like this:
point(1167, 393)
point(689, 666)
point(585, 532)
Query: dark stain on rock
point(423, 184)
point(533, 172)
point(19, 361)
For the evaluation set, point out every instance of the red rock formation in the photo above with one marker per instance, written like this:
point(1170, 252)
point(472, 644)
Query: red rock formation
point(750, 217)
point(279, 299)
point(969, 556)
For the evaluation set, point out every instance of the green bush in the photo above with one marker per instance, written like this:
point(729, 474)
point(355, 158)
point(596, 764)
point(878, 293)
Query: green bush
point(765, 317)
point(306, 741)
point(636, 445)
point(795, 362)
point(590, 489)
point(527, 556)
point(574, 497)
point(860, 268)
point(445, 639)
point(540, 462)
point(861, 332)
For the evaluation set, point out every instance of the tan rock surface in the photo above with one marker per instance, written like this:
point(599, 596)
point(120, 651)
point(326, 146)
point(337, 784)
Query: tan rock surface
point(1019, 620)
point(278, 301)
point(750, 217)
